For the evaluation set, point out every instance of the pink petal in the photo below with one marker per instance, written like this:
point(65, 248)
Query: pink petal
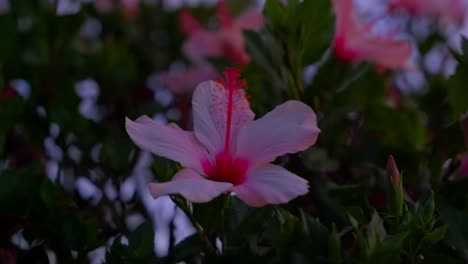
point(385, 52)
point(251, 19)
point(343, 10)
point(210, 102)
point(203, 44)
point(353, 43)
point(234, 45)
point(271, 184)
point(188, 23)
point(168, 141)
point(185, 82)
point(289, 128)
point(190, 185)
point(223, 14)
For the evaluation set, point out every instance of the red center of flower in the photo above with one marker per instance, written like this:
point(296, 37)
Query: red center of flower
point(342, 52)
point(234, 55)
point(225, 167)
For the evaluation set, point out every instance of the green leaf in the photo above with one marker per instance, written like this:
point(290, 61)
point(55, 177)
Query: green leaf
point(317, 20)
point(436, 235)
point(427, 210)
point(402, 128)
point(456, 222)
point(8, 45)
point(20, 186)
point(188, 247)
point(375, 231)
point(141, 241)
point(49, 194)
point(357, 214)
point(334, 246)
point(456, 88)
point(389, 250)
point(274, 12)
point(456, 91)
point(10, 112)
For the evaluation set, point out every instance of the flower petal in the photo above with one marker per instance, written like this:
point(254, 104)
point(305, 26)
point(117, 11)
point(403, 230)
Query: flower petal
point(344, 16)
point(271, 184)
point(203, 44)
point(359, 43)
point(251, 19)
point(168, 141)
point(289, 128)
point(185, 82)
point(190, 185)
point(390, 53)
point(210, 103)
point(188, 23)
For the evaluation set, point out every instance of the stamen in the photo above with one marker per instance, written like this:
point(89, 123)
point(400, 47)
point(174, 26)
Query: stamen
point(231, 82)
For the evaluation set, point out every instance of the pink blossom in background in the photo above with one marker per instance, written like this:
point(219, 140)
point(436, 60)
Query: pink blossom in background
point(463, 170)
point(104, 6)
point(226, 42)
point(228, 151)
point(354, 42)
point(183, 82)
point(129, 8)
point(446, 10)
point(188, 23)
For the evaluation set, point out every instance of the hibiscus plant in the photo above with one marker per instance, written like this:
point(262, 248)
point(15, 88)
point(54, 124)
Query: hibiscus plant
point(277, 131)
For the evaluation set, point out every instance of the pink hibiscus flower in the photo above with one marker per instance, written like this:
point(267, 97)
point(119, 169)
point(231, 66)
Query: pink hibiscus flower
point(355, 42)
point(227, 42)
point(228, 151)
point(446, 10)
point(183, 82)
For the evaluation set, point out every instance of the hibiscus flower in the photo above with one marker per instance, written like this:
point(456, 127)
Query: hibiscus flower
point(355, 42)
point(228, 151)
point(227, 42)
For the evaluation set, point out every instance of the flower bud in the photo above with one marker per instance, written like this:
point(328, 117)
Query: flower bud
point(392, 172)
point(395, 191)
